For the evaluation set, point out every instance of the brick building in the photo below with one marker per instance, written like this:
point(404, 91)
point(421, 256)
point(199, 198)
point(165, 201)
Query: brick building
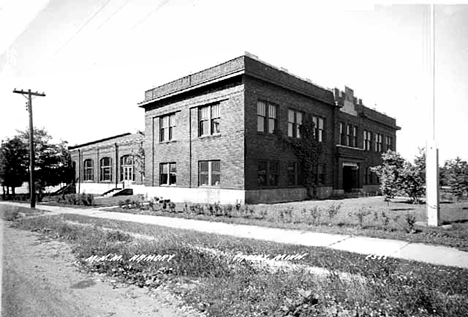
point(209, 136)
point(107, 164)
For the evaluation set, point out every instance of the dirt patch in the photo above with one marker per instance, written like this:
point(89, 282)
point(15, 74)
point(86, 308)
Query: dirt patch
point(40, 278)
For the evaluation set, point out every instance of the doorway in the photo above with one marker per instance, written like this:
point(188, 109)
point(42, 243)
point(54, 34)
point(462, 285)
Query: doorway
point(350, 177)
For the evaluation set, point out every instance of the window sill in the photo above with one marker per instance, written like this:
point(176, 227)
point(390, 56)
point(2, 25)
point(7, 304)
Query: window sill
point(209, 186)
point(165, 185)
point(206, 136)
point(167, 142)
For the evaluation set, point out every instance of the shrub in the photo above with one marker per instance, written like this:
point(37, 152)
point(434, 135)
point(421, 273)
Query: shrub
point(172, 207)
point(361, 213)
point(410, 221)
point(385, 220)
point(333, 210)
point(315, 215)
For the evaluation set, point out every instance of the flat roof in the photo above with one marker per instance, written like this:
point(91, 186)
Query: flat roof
point(98, 141)
point(242, 65)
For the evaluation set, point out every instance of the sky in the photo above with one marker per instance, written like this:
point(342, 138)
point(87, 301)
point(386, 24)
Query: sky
point(94, 59)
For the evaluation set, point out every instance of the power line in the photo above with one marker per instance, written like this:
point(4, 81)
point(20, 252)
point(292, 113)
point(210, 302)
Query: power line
point(117, 11)
point(74, 35)
point(83, 26)
point(162, 4)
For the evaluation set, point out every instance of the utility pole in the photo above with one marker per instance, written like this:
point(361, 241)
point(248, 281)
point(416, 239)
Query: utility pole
point(432, 152)
point(32, 190)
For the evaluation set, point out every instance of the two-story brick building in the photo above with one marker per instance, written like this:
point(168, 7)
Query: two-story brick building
point(210, 137)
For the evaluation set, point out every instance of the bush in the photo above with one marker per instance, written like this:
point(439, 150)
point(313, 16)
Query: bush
point(333, 210)
point(78, 199)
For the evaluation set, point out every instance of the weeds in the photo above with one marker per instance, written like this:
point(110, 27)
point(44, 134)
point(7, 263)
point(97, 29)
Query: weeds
point(315, 215)
point(410, 222)
point(223, 288)
point(333, 211)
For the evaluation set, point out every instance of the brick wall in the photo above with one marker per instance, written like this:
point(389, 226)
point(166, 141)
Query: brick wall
point(264, 146)
point(115, 149)
point(187, 148)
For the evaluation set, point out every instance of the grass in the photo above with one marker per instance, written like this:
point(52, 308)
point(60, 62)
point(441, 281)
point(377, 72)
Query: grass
point(11, 213)
point(219, 287)
point(371, 217)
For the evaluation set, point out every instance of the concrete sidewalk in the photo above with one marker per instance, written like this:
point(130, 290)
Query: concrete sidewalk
point(370, 246)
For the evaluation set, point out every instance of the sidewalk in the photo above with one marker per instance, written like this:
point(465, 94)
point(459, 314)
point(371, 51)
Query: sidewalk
point(439, 255)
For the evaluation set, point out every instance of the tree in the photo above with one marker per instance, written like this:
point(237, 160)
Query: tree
point(140, 160)
point(400, 177)
point(13, 167)
point(52, 161)
point(455, 175)
point(389, 173)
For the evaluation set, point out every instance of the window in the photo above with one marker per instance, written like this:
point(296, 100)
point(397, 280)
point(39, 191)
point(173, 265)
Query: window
point(355, 133)
point(319, 171)
point(367, 140)
point(209, 173)
point(294, 174)
point(294, 123)
point(349, 135)
point(342, 134)
point(268, 173)
point(318, 128)
point(88, 170)
point(105, 174)
point(266, 117)
point(389, 142)
point(209, 120)
point(378, 142)
point(127, 170)
point(167, 174)
point(167, 126)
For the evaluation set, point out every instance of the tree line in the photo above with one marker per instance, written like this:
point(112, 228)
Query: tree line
point(398, 176)
point(52, 162)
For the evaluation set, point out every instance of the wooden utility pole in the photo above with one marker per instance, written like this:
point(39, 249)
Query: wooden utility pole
point(32, 190)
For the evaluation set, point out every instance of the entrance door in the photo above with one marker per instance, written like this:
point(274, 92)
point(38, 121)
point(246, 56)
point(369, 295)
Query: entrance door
point(348, 178)
point(127, 168)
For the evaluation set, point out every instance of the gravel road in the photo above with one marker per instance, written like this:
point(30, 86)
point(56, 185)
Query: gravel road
point(40, 278)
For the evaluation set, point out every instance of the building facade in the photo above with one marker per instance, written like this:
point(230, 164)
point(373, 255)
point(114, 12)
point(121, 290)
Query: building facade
point(103, 165)
point(211, 136)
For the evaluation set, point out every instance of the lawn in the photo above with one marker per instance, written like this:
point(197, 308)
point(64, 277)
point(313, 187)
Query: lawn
point(369, 216)
point(213, 283)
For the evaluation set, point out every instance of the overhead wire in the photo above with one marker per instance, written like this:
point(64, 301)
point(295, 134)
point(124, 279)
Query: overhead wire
point(117, 11)
point(161, 5)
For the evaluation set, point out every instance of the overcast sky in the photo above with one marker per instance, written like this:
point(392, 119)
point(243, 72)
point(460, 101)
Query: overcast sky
point(95, 58)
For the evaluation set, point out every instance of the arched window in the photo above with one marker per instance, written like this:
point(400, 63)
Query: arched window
point(88, 170)
point(105, 169)
point(127, 170)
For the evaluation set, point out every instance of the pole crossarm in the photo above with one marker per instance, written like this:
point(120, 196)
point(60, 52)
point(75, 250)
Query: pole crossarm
point(29, 92)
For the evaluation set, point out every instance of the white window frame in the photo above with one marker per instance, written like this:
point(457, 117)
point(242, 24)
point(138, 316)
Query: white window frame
point(213, 119)
point(167, 126)
point(210, 173)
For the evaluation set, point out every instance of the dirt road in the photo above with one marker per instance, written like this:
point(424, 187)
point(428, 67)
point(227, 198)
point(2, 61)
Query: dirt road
point(39, 278)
